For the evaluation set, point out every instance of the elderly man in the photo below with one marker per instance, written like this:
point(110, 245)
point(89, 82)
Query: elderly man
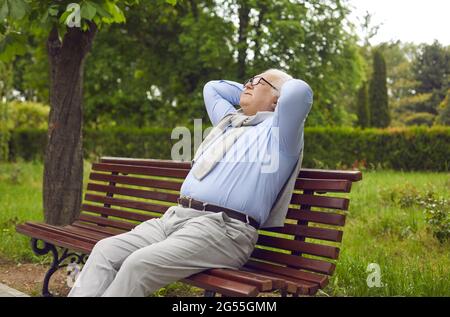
point(224, 199)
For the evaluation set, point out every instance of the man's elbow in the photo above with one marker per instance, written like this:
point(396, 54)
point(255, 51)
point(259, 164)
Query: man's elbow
point(298, 90)
point(209, 86)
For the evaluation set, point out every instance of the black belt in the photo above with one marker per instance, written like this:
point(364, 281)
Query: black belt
point(188, 202)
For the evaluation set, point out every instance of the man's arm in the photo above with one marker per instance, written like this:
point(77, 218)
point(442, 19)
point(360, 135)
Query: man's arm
point(294, 104)
point(220, 96)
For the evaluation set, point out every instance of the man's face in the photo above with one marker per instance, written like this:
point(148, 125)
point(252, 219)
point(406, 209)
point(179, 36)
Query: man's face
point(259, 97)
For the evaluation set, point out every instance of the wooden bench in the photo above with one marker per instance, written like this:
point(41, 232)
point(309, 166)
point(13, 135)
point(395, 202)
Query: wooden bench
point(297, 259)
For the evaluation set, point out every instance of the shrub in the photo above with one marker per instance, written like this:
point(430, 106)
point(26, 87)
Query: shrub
point(27, 115)
point(420, 118)
point(437, 214)
point(408, 149)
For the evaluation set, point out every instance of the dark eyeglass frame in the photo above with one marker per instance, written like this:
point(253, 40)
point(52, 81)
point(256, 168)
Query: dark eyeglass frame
point(251, 79)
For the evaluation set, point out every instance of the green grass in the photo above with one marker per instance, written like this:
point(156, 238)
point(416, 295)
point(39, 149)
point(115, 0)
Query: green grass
point(378, 230)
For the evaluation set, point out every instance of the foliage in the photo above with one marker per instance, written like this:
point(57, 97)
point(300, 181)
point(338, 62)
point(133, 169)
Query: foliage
point(431, 69)
point(378, 95)
point(419, 118)
point(414, 148)
point(444, 111)
point(4, 134)
point(31, 115)
point(151, 70)
point(363, 107)
point(437, 213)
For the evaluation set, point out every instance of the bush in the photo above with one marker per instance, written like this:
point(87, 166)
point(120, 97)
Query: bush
point(420, 118)
point(28, 144)
point(414, 148)
point(437, 214)
point(27, 115)
point(408, 149)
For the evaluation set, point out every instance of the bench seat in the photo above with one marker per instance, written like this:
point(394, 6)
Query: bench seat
point(296, 259)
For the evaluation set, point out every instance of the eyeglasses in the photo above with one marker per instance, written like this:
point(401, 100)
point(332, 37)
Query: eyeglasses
point(255, 80)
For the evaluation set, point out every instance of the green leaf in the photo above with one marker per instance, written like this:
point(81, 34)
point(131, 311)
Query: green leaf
point(44, 17)
point(53, 10)
point(18, 9)
point(3, 10)
point(88, 11)
point(101, 10)
point(172, 2)
point(116, 12)
point(63, 17)
point(12, 45)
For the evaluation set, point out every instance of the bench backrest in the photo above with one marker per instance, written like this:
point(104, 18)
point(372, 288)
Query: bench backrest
point(123, 192)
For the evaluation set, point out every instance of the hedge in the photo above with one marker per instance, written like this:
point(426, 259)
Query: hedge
point(412, 148)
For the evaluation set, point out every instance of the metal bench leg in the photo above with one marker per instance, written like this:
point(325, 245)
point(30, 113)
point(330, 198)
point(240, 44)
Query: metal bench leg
point(57, 261)
point(209, 293)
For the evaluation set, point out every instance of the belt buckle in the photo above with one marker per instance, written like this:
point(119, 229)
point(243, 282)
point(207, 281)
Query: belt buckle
point(185, 197)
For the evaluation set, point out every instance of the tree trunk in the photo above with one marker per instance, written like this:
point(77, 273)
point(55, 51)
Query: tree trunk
point(63, 162)
point(243, 12)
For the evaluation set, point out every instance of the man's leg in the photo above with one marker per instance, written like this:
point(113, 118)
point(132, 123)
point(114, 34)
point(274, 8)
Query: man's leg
point(108, 255)
point(207, 241)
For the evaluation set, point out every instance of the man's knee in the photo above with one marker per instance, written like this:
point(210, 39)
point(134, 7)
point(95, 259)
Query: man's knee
point(107, 250)
point(104, 246)
point(148, 261)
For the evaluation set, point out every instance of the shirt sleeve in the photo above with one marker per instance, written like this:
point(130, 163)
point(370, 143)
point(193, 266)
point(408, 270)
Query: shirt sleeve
point(219, 97)
point(294, 104)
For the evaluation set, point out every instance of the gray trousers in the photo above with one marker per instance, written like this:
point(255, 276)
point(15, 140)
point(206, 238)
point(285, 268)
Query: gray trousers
point(160, 251)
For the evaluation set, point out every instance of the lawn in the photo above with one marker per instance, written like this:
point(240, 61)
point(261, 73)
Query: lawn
point(385, 226)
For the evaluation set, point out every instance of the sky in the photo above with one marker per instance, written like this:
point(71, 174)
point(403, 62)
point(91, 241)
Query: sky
point(418, 21)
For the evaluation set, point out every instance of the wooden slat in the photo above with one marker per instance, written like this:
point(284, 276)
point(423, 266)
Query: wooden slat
point(222, 286)
point(97, 228)
point(294, 261)
point(263, 284)
point(146, 162)
point(350, 175)
point(86, 232)
point(132, 192)
point(62, 231)
point(139, 205)
point(328, 218)
point(107, 222)
point(309, 232)
point(353, 176)
point(324, 185)
point(322, 280)
point(320, 201)
point(277, 283)
point(137, 181)
point(125, 214)
point(55, 239)
point(140, 170)
point(303, 247)
point(294, 286)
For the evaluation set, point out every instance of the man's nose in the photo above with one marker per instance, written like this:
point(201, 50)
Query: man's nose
point(248, 85)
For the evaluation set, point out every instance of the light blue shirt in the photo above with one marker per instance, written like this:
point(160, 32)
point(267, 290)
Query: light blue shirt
point(252, 173)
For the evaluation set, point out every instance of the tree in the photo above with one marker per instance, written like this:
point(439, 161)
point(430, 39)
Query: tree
point(363, 107)
point(70, 28)
point(444, 111)
point(378, 95)
point(432, 72)
point(309, 40)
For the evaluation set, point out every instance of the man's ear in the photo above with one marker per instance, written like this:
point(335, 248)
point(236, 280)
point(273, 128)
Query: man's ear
point(274, 102)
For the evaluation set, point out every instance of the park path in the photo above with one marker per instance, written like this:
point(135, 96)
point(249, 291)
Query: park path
point(6, 291)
